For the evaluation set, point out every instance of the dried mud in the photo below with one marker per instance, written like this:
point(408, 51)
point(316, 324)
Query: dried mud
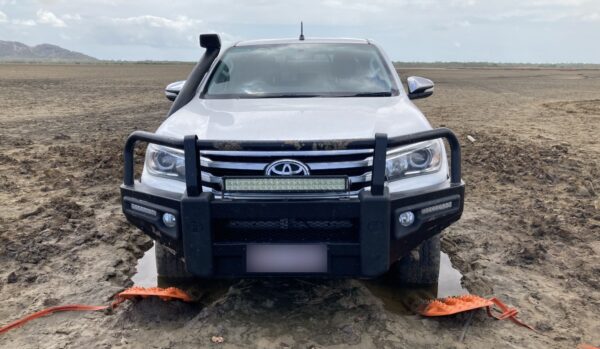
point(530, 234)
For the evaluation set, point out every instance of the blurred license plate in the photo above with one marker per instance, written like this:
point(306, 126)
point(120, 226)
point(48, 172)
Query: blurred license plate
point(306, 258)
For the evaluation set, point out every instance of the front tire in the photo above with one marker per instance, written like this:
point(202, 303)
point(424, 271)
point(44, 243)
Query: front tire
point(168, 266)
point(421, 266)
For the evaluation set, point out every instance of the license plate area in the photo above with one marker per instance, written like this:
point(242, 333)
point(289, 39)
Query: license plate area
point(286, 258)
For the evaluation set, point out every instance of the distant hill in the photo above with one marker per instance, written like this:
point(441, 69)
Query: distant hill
point(13, 51)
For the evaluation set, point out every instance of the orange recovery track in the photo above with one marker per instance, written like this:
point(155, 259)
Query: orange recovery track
point(459, 304)
point(165, 294)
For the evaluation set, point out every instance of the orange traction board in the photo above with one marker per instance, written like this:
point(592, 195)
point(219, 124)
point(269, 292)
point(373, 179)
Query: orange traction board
point(459, 304)
point(454, 305)
point(165, 294)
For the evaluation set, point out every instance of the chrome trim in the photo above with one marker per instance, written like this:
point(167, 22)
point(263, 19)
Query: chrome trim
point(417, 84)
point(260, 166)
point(281, 153)
point(286, 196)
point(287, 168)
point(257, 166)
point(340, 164)
point(283, 196)
point(173, 89)
point(366, 177)
point(207, 177)
point(207, 164)
point(419, 87)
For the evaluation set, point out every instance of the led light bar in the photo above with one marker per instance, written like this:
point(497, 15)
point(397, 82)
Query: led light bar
point(436, 208)
point(143, 209)
point(285, 184)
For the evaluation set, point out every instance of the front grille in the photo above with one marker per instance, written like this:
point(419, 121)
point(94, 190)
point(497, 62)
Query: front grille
point(289, 224)
point(286, 230)
point(356, 164)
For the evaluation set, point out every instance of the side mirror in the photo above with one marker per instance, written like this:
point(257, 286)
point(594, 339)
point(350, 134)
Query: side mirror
point(419, 87)
point(172, 89)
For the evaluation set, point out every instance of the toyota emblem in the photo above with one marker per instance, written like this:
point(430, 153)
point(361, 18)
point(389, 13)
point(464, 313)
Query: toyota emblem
point(287, 167)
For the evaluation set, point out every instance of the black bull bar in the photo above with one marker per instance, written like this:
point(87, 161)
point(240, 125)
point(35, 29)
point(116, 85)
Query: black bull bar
point(193, 238)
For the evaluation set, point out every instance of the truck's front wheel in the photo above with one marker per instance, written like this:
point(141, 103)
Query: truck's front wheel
point(168, 266)
point(421, 266)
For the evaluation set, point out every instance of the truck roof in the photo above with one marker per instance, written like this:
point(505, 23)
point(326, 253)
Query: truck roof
point(306, 41)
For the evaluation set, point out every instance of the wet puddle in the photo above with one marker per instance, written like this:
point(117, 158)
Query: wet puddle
point(145, 270)
point(145, 276)
point(396, 298)
point(403, 299)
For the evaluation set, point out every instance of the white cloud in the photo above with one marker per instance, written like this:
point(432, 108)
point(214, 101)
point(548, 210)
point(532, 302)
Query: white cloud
point(25, 22)
point(47, 17)
point(368, 7)
point(542, 3)
point(463, 3)
point(592, 17)
point(147, 30)
point(507, 30)
point(180, 23)
point(70, 17)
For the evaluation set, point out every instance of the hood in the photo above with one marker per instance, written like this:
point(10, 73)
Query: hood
point(295, 118)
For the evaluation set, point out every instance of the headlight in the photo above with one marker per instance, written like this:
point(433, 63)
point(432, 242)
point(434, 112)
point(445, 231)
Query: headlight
point(166, 162)
point(416, 159)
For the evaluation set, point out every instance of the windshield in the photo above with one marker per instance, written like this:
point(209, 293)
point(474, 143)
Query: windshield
point(300, 70)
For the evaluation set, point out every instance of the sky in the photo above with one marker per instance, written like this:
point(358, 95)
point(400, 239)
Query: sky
point(518, 31)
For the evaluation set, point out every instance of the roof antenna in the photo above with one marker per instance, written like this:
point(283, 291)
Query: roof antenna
point(301, 31)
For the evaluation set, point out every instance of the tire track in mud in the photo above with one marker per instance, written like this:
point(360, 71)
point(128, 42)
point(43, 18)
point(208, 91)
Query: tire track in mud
point(535, 226)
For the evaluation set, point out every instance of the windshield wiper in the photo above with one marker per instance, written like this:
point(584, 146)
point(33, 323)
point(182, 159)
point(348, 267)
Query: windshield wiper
point(373, 94)
point(288, 95)
point(313, 95)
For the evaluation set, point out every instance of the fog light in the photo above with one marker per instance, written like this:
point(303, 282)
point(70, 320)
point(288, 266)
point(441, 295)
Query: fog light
point(169, 220)
point(406, 218)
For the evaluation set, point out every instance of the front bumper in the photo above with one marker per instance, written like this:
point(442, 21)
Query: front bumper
point(362, 235)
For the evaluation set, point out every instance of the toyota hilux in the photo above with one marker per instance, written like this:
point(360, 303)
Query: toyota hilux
point(296, 157)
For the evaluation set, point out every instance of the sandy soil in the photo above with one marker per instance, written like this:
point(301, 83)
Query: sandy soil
point(530, 234)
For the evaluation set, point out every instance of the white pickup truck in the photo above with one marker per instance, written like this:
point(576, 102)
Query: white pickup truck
point(295, 158)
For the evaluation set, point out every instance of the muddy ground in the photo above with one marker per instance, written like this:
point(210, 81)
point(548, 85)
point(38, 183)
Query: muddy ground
point(530, 234)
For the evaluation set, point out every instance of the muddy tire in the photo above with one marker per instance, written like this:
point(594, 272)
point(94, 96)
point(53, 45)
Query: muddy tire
point(168, 266)
point(421, 266)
